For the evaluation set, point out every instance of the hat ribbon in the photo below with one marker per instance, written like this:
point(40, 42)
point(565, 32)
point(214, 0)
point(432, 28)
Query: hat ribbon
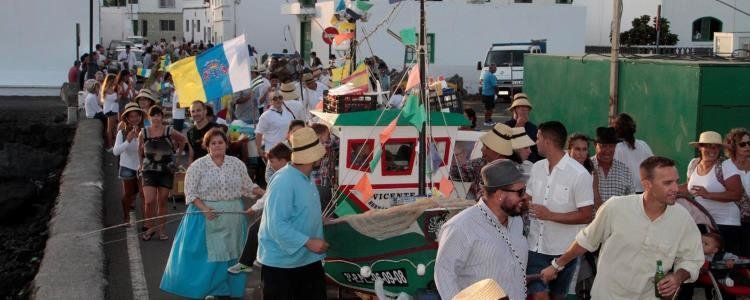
point(305, 147)
point(503, 136)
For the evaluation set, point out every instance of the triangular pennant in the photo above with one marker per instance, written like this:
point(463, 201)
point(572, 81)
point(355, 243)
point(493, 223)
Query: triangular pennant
point(334, 20)
point(408, 36)
point(363, 5)
point(446, 187)
point(436, 158)
point(388, 131)
point(344, 209)
point(338, 39)
point(413, 78)
point(364, 188)
point(319, 106)
point(340, 6)
point(346, 26)
point(375, 160)
point(353, 14)
point(413, 112)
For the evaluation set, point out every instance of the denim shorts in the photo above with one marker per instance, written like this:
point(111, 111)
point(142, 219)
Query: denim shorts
point(127, 173)
point(559, 286)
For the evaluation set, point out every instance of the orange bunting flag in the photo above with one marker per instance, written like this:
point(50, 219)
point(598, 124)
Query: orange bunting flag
point(338, 39)
point(364, 188)
point(388, 131)
point(413, 78)
point(446, 187)
point(319, 106)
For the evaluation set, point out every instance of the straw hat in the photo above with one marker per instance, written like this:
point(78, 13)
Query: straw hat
point(520, 139)
point(131, 106)
point(307, 77)
point(709, 137)
point(520, 101)
point(499, 139)
point(289, 91)
point(306, 147)
point(486, 289)
point(146, 93)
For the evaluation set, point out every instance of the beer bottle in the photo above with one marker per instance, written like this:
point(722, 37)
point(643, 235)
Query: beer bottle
point(658, 277)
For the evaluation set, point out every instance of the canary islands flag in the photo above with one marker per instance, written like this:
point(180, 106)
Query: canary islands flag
point(221, 70)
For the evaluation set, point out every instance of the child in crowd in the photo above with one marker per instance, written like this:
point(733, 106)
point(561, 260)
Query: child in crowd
point(278, 157)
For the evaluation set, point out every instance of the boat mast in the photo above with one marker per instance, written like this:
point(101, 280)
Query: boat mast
point(421, 188)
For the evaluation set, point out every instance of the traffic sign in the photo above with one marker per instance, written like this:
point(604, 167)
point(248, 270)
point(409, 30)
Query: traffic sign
point(328, 34)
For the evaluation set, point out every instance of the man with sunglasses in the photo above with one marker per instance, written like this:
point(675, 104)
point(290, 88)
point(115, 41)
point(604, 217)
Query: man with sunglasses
point(562, 201)
point(486, 240)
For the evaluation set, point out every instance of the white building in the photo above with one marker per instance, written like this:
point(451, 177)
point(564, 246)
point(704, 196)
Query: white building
point(195, 15)
point(39, 43)
point(159, 19)
point(695, 21)
point(599, 17)
point(261, 22)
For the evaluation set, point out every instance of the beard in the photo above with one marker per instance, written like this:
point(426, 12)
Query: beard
point(512, 210)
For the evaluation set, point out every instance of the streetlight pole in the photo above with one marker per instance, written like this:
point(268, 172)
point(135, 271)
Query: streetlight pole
point(422, 181)
point(614, 65)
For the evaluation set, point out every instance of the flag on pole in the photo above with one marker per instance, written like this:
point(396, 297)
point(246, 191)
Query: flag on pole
point(413, 80)
point(165, 62)
point(143, 72)
point(413, 112)
point(221, 70)
point(360, 80)
point(364, 188)
point(340, 38)
point(388, 131)
point(446, 187)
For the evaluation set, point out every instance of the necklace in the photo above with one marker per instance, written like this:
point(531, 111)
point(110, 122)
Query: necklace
point(505, 238)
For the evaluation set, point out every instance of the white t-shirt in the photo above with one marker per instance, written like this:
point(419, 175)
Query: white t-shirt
point(128, 151)
point(312, 98)
point(396, 101)
point(633, 159)
point(110, 103)
point(296, 108)
point(177, 113)
point(92, 105)
point(274, 126)
point(566, 189)
point(724, 213)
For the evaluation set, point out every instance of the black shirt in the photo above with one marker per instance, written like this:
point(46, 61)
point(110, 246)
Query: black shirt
point(195, 137)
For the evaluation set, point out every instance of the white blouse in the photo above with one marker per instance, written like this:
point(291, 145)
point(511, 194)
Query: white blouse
point(207, 181)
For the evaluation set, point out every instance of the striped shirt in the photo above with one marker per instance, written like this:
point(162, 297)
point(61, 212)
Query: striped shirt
point(615, 183)
point(472, 249)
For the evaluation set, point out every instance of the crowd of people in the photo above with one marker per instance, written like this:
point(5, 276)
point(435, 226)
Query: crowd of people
point(536, 216)
point(542, 200)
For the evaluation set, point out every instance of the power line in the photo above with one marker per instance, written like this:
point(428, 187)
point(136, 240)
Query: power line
point(734, 7)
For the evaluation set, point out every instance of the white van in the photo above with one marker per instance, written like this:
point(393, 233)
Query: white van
point(508, 57)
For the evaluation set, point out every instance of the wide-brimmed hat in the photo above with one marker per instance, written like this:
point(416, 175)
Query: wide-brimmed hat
point(520, 139)
point(307, 77)
point(131, 106)
point(499, 139)
point(486, 289)
point(709, 137)
point(145, 93)
point(306, 147)
point(289, 91)
point(520, 101)
point(606, 135)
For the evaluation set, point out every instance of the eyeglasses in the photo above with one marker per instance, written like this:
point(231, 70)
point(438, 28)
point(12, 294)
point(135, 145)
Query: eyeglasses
point(521, 192)
point(743, 144)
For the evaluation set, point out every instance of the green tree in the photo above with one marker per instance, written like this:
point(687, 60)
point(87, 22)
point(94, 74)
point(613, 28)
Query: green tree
point(644, 32)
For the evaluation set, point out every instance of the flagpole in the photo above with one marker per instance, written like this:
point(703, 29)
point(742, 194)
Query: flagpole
point(421, 188)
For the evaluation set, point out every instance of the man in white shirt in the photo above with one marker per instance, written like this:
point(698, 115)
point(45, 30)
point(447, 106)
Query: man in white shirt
point(486, 240)
point(312, 94)
point(260, 86)
point(562, 199)
point(273, 124)
point(127, 57)
point(635, 232)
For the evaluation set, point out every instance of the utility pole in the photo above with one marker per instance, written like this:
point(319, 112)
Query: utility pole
point(614, 64)
point(422, 183)
point(91, 26)
point(658, 27)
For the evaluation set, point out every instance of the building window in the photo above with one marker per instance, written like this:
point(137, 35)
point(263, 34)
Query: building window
point(133, 1)
point(359, 153)
point(198, 27)
point(144, 31)
point(135, 27)
point(166, 25)
point(187, 25)
point(704, 28)
point(398, 156)
point(564, 1)
point(410, 55)
point(522, 1)
point(166, 3)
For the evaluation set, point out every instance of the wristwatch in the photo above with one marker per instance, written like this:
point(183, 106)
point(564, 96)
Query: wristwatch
point(556, 266)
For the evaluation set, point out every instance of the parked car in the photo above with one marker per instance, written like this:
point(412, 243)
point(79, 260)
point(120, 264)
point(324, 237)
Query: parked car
point(117, 44)
point(137, 41)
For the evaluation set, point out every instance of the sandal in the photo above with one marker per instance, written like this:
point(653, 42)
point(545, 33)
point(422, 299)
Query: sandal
point(163, 237)
point(146, 236)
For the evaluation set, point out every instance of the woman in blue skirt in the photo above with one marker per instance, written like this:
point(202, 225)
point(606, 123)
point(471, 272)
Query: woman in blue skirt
point(209, 241)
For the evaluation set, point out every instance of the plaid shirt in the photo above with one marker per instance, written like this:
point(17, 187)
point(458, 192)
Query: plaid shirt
point(617, 183)
point(470, 172)
point(325, 174)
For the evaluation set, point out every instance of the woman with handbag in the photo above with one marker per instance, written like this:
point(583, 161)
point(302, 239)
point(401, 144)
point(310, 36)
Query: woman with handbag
point(715, 184)
point(157, 148)
point(738, 150)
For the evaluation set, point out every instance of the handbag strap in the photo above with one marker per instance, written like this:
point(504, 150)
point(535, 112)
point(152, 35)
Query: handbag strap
point(505, 238)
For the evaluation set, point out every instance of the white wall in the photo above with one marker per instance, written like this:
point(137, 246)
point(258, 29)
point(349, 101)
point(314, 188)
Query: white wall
point(115, 24)
point(265, 27)
point(193, 11)
point(464, 32)
point(599, 17)
point(152, 6)
point(682, 13)
point(39, 43)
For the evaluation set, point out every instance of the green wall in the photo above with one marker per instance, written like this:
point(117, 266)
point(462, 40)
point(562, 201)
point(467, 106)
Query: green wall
point(663, 96)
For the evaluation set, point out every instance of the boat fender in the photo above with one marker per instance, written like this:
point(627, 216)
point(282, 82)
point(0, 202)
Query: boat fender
point(365, 271)
point(421, 269)
point(379, 290)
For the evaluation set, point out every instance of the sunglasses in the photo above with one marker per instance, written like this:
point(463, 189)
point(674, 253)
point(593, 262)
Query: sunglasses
point(521, 192)
point(743, 144)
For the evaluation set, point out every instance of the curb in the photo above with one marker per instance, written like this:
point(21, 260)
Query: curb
point(73, 266)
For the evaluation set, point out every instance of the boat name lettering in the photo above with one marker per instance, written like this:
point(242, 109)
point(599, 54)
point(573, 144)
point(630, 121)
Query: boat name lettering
point(395, 277)
point(387, 196)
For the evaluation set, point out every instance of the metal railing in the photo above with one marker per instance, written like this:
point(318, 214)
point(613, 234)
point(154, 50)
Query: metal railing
point(650, 49)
